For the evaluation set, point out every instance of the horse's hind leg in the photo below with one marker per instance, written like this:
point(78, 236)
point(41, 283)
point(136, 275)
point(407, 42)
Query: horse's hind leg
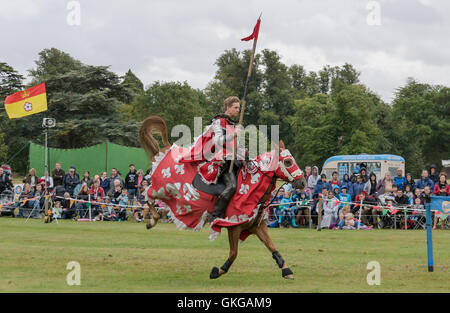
point(233, 239)
point(263, 234)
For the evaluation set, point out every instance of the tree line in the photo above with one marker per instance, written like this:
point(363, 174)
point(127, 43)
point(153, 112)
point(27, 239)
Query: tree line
point(320, 113)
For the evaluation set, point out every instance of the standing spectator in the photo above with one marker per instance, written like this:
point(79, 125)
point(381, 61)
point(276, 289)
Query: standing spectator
point(97, 192)
point(48, 181)
point(71, 180)
point(307, 172)
point(364, 174)
point(346, 182)
point(122, 200)
point(410, 181)
point(321, 183)
point(58, 175)
point(31, 179)
point(313, 178)
point(104, 182)
point(371, 185)
point(357, 187)
point(442, 188)
point(399, 180)
point(115, 175)
point(424, 181)
point(131, 183)
point(140, 177)
point(87, 179)
point(385, 185)
point(433, 174)
point(334, 180)
point(355, 174)
point(5, 181)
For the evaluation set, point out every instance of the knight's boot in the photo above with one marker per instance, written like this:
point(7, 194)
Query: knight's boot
point(229, 180)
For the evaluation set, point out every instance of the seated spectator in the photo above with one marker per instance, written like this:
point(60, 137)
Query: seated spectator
point(148, 176)
point(371, 185)
point(87, 179)
point(399, 180)
point(39, 194)
point(410, 181)
point(349, 222)
point(424, 181)
point(401, 199)
point(385, 185)
point(286, 214)
point(141, 201)
point(56, 211)
point(275, 200)
point(367, 207)
point(97, 195)
point(336, 191)
point(320, 185)
point(346, 182)
point(116, 190)
point(68, 207)
point(330, 210)
point(409, 194)
point(418, 204)
point(82, 207)
point(48, 181)
point(26, 200)
point(343, 212)
point(114, 176)
point(301, 208)
point(104, 182)
point(417, 194)
point(344, 197)
point(108, 212)
point(426, 195)
point(313, 178)
point(71, 180)
point(442, 188)
point(5, 181)
point(357, 187)
point(334, 180)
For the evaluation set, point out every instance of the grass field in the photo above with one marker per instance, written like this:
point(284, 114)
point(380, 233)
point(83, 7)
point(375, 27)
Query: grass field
point(125, 257)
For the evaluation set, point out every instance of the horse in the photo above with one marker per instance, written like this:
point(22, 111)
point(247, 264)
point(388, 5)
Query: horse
point(173, 184)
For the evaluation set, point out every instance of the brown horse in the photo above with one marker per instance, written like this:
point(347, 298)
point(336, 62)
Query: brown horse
point(282, 165)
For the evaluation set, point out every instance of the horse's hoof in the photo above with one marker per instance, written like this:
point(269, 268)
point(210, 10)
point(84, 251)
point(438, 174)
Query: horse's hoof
point(214, 273)
point(287, 273)
point(148, 225)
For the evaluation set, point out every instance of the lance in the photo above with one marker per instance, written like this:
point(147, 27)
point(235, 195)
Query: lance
point(253, 36)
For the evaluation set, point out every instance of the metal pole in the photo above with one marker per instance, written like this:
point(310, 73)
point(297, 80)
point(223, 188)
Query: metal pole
point(359, 217)
point(89, 203)
point(319, 218)
point(429, 238)
point(406, 224)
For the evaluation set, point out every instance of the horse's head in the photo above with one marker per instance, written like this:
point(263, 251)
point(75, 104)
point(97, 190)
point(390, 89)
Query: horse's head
point(288, 169)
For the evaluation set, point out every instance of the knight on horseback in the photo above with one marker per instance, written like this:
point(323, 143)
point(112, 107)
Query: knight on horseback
point(213, 151)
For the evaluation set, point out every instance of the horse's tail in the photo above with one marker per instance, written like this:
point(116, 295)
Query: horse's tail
point(150, 125)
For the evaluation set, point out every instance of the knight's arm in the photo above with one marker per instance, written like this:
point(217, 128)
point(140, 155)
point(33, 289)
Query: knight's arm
point(220, 136)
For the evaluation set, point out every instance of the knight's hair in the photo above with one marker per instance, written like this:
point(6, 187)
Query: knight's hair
point(228, 102)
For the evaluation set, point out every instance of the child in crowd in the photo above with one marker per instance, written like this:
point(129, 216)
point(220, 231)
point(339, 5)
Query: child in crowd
point(330, 210)
point(409, 194)
point(344, 197)
point(286, 212)
point(301, 207)
point(123, 203)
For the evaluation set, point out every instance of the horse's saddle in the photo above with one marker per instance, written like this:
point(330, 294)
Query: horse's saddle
point(212, 189)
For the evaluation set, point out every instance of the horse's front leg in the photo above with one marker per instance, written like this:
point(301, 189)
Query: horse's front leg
point(155, 216)
point(263, 234)
point(233, 239)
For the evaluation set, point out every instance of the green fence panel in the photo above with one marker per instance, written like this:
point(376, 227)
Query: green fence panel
point(95, 159)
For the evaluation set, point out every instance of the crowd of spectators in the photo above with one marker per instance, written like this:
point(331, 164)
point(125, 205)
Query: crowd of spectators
point(71, 197)
point(292, 208)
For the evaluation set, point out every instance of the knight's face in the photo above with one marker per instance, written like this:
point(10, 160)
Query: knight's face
point(287, 167)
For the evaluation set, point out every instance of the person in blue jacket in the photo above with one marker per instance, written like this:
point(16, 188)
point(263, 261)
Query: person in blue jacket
point(346, 182)
point(424, 181)
point(399, 180)
point(344, 197)
point(321, 183)
point(357, 187)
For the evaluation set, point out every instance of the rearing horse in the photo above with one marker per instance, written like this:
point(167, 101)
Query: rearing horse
point(173, 184)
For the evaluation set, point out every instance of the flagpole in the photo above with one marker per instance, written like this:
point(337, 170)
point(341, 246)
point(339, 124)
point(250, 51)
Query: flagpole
point(244, 97)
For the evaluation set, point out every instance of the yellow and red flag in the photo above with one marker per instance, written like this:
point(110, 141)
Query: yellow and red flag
point(27, 102)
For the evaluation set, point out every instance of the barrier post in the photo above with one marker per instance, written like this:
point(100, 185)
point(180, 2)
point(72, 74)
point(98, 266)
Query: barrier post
point(359, 217)
point(89, 204)
point(429, 238)
point(406, 224)
point(319, 218)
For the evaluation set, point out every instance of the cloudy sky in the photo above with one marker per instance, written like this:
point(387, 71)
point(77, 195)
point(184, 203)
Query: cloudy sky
point(168, 40)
